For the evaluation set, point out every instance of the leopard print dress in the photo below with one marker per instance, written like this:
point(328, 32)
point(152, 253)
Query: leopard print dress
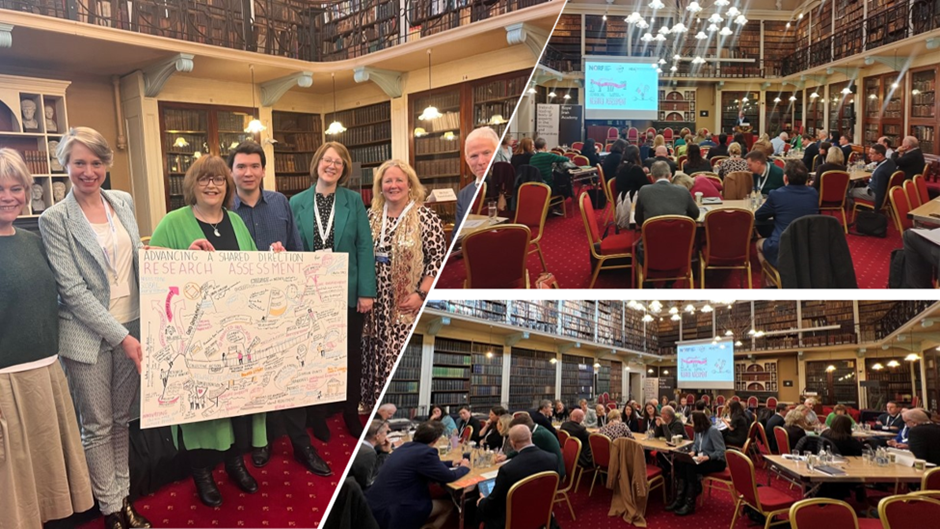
point(383, 340)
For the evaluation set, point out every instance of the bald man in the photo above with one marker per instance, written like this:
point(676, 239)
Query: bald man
point(386, 411)
point(909, 158)
point(661, 155)
point(529, 460)
point(923, 436)
point(479, 148)
point(575, 427)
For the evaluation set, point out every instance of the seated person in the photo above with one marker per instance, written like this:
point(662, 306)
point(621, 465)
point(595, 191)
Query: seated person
point(489, 433)
point(901, 440)
point(577, 430)
point(909, 158)
point(845, 145)
point(400, 497)
point(706, 139)
point(543, 160)
point(375, 449)
point(839, 409)
point(734, 161)
point(590, 416)
point(668, 424)
point(824, 148)
point(662, 198)
point(796, 426)
point(779, 142)
point(840, 433)
point(590, 151)
point(891, 420)
point(630, 175)
point(437, 414)
point(811, 148)
point(923, 436)
point(543, 416)
point(834, 162)
point(545, 440)
point(560, 414)
point(681, 148)
point(877, 186)
point(468, 420)
point(613, 158)
point(662, 155)
point(767, 176)
point(523, 153)
point(778, 419)
point(721, 149)
point(694, 163)
point(736, 432)
point(785, 205)
point(529, 460)
point(615, 427)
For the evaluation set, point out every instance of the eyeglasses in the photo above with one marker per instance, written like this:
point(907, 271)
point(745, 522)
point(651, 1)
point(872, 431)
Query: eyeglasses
point(334, 163)
point(81, 165)
point(204, 181)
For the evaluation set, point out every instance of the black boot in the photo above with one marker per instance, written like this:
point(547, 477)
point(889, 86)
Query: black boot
point(132, 518)
point(238, 473)
point(114, 521)
point(353, 424)
point(679, 500)
point(205, 487)
point(260, 456)
point(320, 430)
point(689, 507)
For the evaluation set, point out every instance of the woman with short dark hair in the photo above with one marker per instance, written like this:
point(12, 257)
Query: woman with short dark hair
point(694, 162)
point(736, 433)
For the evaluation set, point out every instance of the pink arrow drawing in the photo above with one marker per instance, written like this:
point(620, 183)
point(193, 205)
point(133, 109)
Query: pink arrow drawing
point(174, 291)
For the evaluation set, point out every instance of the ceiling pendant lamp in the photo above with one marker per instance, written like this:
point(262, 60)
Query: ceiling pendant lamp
point(254, 126)
point(335, 127)
point(431, 111)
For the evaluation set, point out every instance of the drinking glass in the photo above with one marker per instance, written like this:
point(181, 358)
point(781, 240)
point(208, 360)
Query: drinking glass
point(491, 210)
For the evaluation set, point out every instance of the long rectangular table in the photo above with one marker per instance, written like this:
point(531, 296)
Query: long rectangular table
point(703, 209)
point(484, 221)
point(461, 487)
point(857, 471)
point(923, 213)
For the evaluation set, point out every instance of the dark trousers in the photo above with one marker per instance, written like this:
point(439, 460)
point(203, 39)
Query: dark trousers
point(920, 258)
point(292, 422)
point(354, 324)
point(205, 458)
point(690, 471)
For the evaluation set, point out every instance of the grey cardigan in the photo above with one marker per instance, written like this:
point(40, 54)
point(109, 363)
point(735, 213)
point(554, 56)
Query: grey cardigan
point(86, 326)
point(710, 443)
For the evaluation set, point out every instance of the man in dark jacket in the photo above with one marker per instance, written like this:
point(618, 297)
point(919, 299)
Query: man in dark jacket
point(909, 158)
point(776, 420)
point(810, 151)
point(878, 183)
point(814, 254)
point(577, 430)
point(786, 204)
point(923, 436)
point(662, 155)
point(721, 149)
point(530, 460)
point(542, 416)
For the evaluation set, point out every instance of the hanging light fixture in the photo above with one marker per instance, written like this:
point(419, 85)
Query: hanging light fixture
point(679, 28)
point(878, 366)
point(721, 3)
point(726, 31)
point(776, 100)
point(716, 19)
point(738, 343)
point(532, 90)
point(254, 126)
point(693, 7)
point(740, 20)
point(733, 12)
point(792, 98)
point(566, 97)
point(698, 60)
point(419, 132)
point(707, 308)
point(431, 111)
point(830, 368)
point(893, 363)
point(181, 142)
point(701, 35)
point(498, 119)
point(673, 68)
point(814, 95)
point(647, 318)
point(912, 357)
point(690, 308)
point(552, 94)
point(713, 27)
point(642, 24)
point(335, 127)
point(656, 4)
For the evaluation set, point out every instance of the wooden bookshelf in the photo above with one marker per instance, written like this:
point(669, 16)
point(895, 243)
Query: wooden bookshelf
point(833, 387)
point(603, 379)
point(637, 335)
point(483, 309)
point(616, 380)
point(450, 377)
point(610, 322)
point(894, 382)
point(403, 388)
point(770, 316)
point(869, 314)
point(538, 315)
point(368, 137)
point(190, 131)
point(828, 313)
point(924, 109)
point(577, 379)
point(578, 319)
point(498, 96)
point(815, 110)
point(566, 39)
point(822, 22)
point(486, 379)
point(778, 43)
point(298, 137)
point(437, 155)
point(533, 378)
point(732, 103)
point(353, 28)
point(668, 334)
point(841, 109)
point(883, 108)
point(783, 113)
point(677, 104)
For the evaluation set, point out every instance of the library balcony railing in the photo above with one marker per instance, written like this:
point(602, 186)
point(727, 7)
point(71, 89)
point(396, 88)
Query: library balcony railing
point(900, 314)
point(897, 22)
point(288, 28)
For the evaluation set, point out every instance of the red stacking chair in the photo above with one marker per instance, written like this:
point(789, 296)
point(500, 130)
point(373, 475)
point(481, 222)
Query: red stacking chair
point(779, 163)
point(667, 135)
point(607, 147)
point(570, 155)
point(735, 399)
point(690, 431)
point(479, 200)
point(581, 160)
point(833, 186)
point(921, 184)
point(570, 453)
point(600, 452)
point(901, 207)
point(716, 161)
point(610, 189)
point(616, 248)
point(511, 243)
point(752, 402)
point(719, 400)
point(690, 400)
point(503, 178)
point(896, 179)
point(611, 406)
point(612, 134)
point(771, 403)
point(708, 398)
point(531, 211)
point(633, 135)
point(466, 434)
point(767, 501)
point(721, 478)
point(530, 501)
point(651, 131)
point(910, 511)
point(667, 244)
point(727, 242)
point(562, 437)
point(577, 146)
point(910, 189)
point(931, 480)
point(823, 513)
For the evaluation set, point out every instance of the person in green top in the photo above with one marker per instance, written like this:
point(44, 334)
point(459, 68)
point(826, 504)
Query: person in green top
point(206, 224)
point(541, 437)
point(543, 160)
point(767, 176)
point(838, 410)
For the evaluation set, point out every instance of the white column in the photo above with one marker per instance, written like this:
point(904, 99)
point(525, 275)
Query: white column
point(558, 366)
point(142, 116)
point(507, 373)
point(427, 366)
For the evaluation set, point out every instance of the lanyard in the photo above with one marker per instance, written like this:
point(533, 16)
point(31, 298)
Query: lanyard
point(109, 260)
point(329, 223)
point(890, 420)
point(766, 176)
point(381, 243)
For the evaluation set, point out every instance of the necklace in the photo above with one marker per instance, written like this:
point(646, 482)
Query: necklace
point(215, 227)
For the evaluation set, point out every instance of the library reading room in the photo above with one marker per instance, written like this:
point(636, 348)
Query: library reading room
point(661, 414)
point(755, 108)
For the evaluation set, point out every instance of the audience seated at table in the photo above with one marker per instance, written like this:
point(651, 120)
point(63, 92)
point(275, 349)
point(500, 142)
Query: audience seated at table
point(663, 197)
point(590, 151)
point(375, 450)
point(529, 460)
point(543, 438)
point(839, 409)
point(784, 205)
point(502, 427)
point(877, 186)
point(901, 440)
point(734, 162)
point(630, 176)
point(704, 139)
point(574, 427)
point(630, 415)
point(807, 408)
point(777, 419)
point(560, 412)
point(489, 433)
point(738, 425)
point(845, 145)
point(702, 406)
point(923, 436)
point(543, 160)
point(615, 427)
point(886, 141)
point(779, 143)
point(811, 150)
point(543, 416)
point(891, 420)
point(464, 419)
point(708, 451)
point(601, 412)
point(649, 416)
point(796, 426)
point(437, 414)
point(661, 154)
point(764, 146)
point(719, 150)
point(834, 162)
point(694, 163)
point(612, 160)
point(523, 153)
point(590, 416)
point(909, 158)
point(840, 433)
point(400, 497)
point(824, 148)
point(767, 176)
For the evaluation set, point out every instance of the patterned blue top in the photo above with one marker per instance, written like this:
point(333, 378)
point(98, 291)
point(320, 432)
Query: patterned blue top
point(269, 221)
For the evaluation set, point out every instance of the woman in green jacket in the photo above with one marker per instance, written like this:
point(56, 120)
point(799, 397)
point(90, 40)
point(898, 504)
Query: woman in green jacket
point(207, 224)
point(333, 219)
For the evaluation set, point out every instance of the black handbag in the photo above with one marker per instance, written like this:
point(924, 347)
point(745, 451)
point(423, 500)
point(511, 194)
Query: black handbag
point(871, 223)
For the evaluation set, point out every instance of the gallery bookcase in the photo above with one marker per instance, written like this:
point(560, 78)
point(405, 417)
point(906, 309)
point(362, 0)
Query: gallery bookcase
point(297, 136)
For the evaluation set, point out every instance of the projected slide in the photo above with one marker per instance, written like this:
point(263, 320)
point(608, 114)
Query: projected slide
point(706, 365)
point(620, 90)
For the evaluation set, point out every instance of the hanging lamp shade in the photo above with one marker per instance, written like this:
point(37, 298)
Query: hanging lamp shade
point(335, 127)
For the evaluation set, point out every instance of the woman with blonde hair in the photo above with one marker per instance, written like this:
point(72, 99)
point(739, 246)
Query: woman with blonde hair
point(733, 163)
point(43, 476)
point(409, 252)
point(92, 242)
point(658, 141)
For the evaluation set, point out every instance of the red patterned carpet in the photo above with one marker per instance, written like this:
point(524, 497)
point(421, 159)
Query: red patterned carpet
point(288, 495)
point(568, 258)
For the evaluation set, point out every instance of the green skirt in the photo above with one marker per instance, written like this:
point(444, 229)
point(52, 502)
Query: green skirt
point(218, 434)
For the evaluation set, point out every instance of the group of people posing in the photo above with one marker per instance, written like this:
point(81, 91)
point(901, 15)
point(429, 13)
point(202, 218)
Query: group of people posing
point(70, 327)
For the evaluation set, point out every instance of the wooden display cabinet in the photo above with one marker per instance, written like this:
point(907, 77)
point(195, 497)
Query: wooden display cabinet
point(368, 137)
point(815, 111)
point(922, 123)
point(298, 137)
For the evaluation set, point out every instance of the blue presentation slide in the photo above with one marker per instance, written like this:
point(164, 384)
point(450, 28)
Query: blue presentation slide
point(706, 365)
point(620, 90)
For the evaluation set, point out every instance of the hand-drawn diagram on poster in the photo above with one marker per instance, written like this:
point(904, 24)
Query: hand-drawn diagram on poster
point(231, 333)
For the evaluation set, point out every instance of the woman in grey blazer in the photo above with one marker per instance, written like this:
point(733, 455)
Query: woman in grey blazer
point(708, 451)
point(91, 239)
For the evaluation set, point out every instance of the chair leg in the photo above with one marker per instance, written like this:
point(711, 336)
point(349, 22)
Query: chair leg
point(701, 266)
point(538, 247)
point(570, 508)
point(597, 270)
point(750, 280)
point(593, 480)
point(845, 223)
point(737, 509)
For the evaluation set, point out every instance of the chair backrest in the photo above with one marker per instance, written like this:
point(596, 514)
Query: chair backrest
point(719, 400)
point(532, 206)
point(716, 160)
point(689, 399)
point(590, 220)
point(783, 440)
point(612, 132)
point(511, 243)
point(529, 501)
point(742, 477)
point(738, 185)
point(633, 135)
point(897, 179)
point(719, 410)
point(581, 160)
point(667, 134)
point(771, 403)
point(667, 243)
point(735, 398)
point(707, 398)
point(728, 235)
point(680, 161)
point(607, 147)
point(479, 200)
point(901, 207)
point(913, 198)
point(570, 453)
point(650, 130)
point(779, 163)
point(833, 186)
point(558, 150)
point(570, 155)
point(611, 188)
point(602, 181)
point(690, 431)
point(611, 406)
point(902, 512)
point(562, 436)
point(752, 402)
point(921, 184)
point(504, 177)
point(600, 449)
point(466, 434)
point(577, 146)
point(519, 414)
point(931, 480)
point(822, 513)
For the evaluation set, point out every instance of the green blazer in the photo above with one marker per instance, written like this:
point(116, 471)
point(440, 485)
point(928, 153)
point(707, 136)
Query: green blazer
point(178, 230)
point(352, 235)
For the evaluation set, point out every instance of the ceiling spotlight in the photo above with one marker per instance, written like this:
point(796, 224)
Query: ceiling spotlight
point(673, 68)
point(733, 12)
point(788, 24)
point(738, 343)
point(846, 90)
point(660, 37)
point(725, 31)
point(701, 35)
point(675, 317)
point(800, 16)
point(893, 363)
point(721, 3)
point(713, 27)
point(830, 368)
point(792, 98)
point(662, 61)
point(716, 19)
point(776, 100)
point(698, 60)
point(552, 94)
point(568, 96)
point(656, 4)
point(694, 7)
point(894, 84)
point(740, 20)
point(707, 308)
point(676, 57)
point(647, 37)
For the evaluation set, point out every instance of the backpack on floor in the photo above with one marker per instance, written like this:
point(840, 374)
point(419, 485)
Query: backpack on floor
point(871, 223)
point(896, 270)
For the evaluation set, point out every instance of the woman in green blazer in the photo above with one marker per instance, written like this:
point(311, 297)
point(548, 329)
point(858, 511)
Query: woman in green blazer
point(333, 218)
point(206, 224)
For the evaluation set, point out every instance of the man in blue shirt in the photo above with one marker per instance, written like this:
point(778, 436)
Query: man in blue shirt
point(786, 204)
point(269, 219)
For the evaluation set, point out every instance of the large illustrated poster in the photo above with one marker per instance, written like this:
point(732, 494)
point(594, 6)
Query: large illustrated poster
point(232, 333)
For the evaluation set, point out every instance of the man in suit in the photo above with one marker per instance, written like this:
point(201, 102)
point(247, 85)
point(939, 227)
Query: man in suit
point(662, 198)
point(374, 450)
point(923, 436)
point(576, 429)
point(845, 143)
point(528, 461)
point(767, 176)
point(909, 158)
point(721, 149)
point(667, 424)
point(786, 204)
point(386, 411)
point(811, 150)
point(877, 186)
point(542, 438)
point(777, 419)
point(479, 148)
point(400, 497)
point(891, 420)
point(542, 416)
point(662, 155)
point(467, 419)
